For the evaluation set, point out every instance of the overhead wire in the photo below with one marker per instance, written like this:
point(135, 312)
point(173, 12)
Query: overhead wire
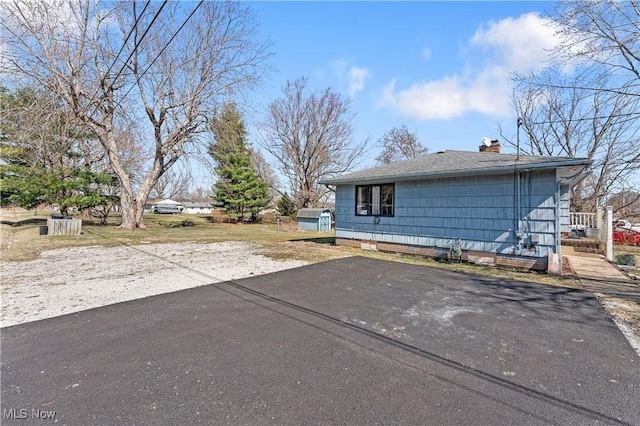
point(631, 117)
point(163, 49)
point(135, 46)
point(124, 44)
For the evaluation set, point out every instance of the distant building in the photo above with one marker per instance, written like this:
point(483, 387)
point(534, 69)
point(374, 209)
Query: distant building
point(197, 207)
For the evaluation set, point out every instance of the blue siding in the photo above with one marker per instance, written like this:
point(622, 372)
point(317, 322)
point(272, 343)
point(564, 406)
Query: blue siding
point(481, 211)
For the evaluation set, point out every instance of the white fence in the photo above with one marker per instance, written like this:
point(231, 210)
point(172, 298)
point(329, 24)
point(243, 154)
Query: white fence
point(584, 224)
point(595, 225)
point(582, 221)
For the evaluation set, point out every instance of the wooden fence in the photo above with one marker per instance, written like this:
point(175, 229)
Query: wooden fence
point(64, 226)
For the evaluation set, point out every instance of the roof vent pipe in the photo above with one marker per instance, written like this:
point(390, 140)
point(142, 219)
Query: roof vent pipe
point(519, 123)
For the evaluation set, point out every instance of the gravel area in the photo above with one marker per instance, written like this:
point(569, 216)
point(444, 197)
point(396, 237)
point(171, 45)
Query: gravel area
point(69, 280)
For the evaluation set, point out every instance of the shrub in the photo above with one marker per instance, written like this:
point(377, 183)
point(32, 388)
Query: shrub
point(626, 259)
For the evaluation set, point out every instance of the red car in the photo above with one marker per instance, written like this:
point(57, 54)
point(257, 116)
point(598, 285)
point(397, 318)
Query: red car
point(628, 236)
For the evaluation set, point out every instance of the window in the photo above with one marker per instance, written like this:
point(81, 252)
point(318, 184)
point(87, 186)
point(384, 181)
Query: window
point(374, 200)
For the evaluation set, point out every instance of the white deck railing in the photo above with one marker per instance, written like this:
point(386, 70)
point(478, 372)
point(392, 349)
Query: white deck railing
point(583, 221)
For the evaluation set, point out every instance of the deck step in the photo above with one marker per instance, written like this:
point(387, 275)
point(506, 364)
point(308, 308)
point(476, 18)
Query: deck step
point(583, 245)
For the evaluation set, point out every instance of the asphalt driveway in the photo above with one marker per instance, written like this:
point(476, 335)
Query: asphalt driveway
point(349, 341)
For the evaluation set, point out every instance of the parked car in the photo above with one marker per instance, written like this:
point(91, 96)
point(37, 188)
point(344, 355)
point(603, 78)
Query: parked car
point(166, 209)
point(627, 224)
point(624, 235)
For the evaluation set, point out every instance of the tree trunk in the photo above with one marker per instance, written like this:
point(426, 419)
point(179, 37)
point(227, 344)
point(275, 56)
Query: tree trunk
point(132, 212)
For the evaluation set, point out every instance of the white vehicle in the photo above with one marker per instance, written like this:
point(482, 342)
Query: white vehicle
point(166, 209)
point(627, 224)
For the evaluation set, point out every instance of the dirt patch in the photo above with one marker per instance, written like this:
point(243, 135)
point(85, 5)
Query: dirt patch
point(626, 315)
point(68, 280)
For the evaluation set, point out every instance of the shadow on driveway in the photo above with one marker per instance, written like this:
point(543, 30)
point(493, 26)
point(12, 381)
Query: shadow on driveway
point(347, 341)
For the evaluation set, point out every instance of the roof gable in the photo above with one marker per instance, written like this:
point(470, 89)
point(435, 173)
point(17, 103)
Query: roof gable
point(455, 163)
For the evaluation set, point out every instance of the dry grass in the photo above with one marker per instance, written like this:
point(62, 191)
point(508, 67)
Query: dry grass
point(20, 239)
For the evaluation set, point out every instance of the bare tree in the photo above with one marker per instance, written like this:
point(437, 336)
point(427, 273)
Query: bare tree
point(265, 173)
point(172, 184)
point(603, 36)
point(399, 144)
point(311, 138)
point(561, 119)
point(162, 65)
point(587, 103)
point(200, 194)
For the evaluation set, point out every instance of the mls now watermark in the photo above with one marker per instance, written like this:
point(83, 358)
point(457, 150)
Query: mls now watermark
point(23, 413)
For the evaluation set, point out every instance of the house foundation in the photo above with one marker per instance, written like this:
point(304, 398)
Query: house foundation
point(472, 256)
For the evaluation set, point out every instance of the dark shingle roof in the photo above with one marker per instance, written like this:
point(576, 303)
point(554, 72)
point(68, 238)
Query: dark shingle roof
point(196, 205)
point(455, 163)
point(311, 213)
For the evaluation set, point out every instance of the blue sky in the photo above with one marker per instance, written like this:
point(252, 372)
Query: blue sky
point(440, 68)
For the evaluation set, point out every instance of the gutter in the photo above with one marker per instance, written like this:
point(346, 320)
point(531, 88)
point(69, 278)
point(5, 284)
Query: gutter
point(452, 173)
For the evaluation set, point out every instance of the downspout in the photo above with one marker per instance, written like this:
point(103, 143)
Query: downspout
point(519, 234)
point(557, 219)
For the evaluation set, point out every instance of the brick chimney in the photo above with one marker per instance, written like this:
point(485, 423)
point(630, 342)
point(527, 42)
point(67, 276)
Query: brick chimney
point(495, 147)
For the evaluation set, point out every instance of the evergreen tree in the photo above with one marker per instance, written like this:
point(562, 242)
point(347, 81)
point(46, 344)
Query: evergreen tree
point(38, 162)
point(286, 205)
point(239, 188)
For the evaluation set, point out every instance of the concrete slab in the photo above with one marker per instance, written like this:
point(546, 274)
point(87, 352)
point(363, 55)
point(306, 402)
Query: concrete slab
point(597, 275)
point(350, 341)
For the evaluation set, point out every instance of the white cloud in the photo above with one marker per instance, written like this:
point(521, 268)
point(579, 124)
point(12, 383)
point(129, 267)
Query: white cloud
point(446, 98)
point(357, 77)
point(350, 78)
point(520, 44)
point(426, 53)
point(495, 51)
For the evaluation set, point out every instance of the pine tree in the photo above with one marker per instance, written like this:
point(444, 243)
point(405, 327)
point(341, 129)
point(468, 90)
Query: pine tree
point(286, 206)
point(38, 162)
point(239, 188)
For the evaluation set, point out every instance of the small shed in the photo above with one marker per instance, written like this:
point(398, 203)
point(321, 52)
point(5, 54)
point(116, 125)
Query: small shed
point(314, 220)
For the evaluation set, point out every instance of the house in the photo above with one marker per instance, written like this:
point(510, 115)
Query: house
point(197, 207)
point(484, 207)
point(314, 219)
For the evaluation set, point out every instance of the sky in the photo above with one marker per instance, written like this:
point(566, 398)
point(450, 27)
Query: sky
point(440, 68)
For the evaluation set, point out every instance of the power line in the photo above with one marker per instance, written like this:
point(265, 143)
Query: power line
point(135, 46)
point(124, 43)
point(163, 49)
point(631, 116)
